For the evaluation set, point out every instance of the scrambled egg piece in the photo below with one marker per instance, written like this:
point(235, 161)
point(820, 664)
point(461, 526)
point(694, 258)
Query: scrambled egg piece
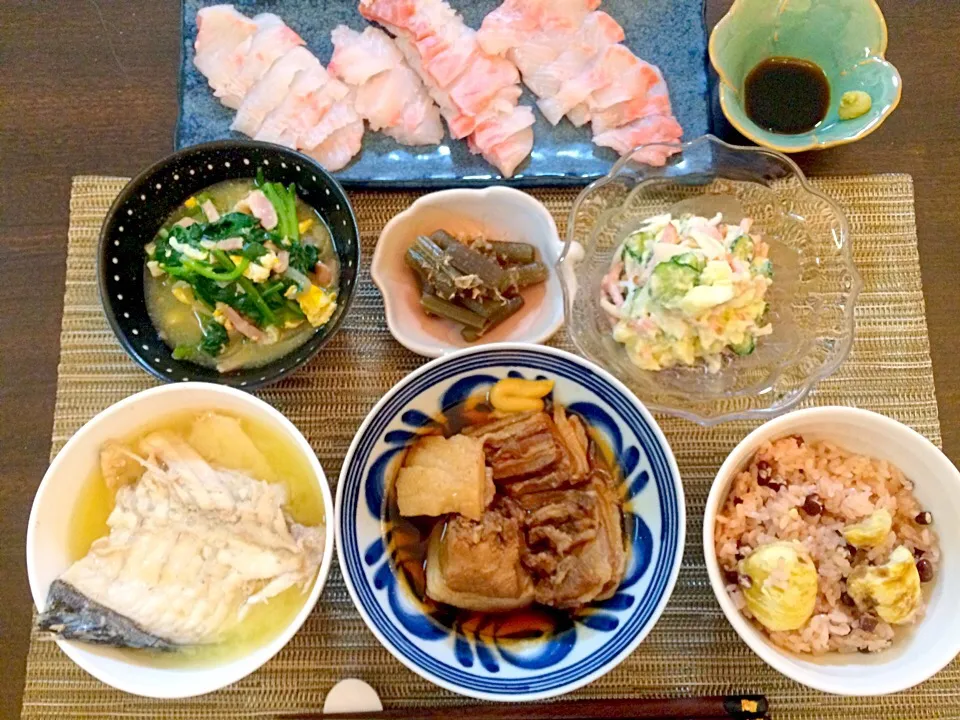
point(183, 292)
point(259, 271)
point(222, 319)
point(318, 305)
point(891, 590)
point(190, 203)
point(305, 225)
point(870, 531)
point(780, 603)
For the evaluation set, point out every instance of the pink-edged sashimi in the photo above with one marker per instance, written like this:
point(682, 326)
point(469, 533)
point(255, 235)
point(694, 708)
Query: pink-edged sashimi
point(419, 125)
point(606, 71)
point(389, 94)
point(513, 23)
point(220, 30)
point(652, 129)
point(254, 57)
point(338, 116)
point(470, 86)
point(508, 155)
point(495, 132)
point(357, 57)
point(339, 148)
point(305, 103)
point(270, 90)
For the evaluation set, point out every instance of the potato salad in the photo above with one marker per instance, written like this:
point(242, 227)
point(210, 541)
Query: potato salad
point(688, 289)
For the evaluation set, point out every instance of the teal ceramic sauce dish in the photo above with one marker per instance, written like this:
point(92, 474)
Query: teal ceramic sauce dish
point(846, 38)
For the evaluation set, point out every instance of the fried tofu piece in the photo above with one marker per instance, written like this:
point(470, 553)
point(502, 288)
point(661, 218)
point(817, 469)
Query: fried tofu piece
point(118, 465)
point(445, 475)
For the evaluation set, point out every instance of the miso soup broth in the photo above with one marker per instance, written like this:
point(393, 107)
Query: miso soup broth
point(240, 275)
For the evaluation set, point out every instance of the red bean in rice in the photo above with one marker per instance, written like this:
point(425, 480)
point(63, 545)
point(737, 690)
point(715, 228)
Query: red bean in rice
point(808, 491)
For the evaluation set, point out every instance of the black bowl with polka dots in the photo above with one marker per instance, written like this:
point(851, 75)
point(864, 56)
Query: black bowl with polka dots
point(149, 199)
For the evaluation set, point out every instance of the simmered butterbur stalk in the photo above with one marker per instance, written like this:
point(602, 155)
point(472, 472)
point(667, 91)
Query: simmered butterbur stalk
point(521, 276)
point(470, 262)
point(475, 279)
point(509, 307)
point(430, 273)
point(437, 306)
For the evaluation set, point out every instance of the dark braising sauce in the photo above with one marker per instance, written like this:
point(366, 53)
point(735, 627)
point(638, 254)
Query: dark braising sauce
point(407, 543)
point(787, 95)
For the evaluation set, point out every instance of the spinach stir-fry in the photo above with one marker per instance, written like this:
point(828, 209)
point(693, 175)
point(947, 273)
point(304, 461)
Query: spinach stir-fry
point(249, 274)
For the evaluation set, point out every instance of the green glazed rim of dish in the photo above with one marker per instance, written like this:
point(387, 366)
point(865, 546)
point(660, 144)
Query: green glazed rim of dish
point(727, 87)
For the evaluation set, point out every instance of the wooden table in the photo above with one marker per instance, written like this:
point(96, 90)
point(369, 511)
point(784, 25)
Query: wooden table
point(90, 86)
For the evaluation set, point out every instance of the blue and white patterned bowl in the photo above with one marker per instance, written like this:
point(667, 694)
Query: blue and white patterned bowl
point(598, 637)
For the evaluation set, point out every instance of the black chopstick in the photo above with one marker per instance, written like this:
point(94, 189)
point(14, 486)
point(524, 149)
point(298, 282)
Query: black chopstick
point(735, 707)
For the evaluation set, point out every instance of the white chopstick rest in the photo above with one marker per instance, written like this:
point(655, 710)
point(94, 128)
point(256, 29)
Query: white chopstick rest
point(351, 696)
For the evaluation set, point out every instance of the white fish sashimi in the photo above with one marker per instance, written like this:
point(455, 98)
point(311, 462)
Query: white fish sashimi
point(305, 103)
point(338, 149)
point(389, 94)
point(220, 30)
point(271, 89)
point(281, 91)
point(338, 116)
point(357, 57)
point(272, 40)
point(191, 548)
point(659, 131)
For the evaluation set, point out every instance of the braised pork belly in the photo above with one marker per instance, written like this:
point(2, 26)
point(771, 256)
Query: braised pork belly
point(552, 533)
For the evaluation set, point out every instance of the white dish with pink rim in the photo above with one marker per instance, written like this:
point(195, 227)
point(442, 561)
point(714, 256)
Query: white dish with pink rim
point(922, 649)
point(496, 213)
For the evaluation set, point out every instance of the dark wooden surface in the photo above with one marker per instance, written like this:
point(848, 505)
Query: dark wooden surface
point(90, 86)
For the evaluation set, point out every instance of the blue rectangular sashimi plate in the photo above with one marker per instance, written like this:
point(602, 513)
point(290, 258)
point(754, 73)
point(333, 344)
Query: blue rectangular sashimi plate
point(668, 33)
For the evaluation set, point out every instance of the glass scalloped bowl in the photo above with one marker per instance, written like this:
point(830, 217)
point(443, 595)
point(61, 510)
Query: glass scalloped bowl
point(812, 298)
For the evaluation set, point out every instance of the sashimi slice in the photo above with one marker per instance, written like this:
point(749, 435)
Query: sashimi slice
point(483, 80)
point(471, 86)
point(445, 58)
point(428, 131)
point(357, 57)
point(508, 155)
point(657, 102)
point(338, 116)
point(272, 40)
point(393, 99)
point(632, 78)
point(379, 102)
point(606, 70)
point(533, 55)
point(220, 30)
point(572, 57)
point(653, 130)
point(271, 89)
point(579, 115)
point(496, 132)
point(306, 102)
point(339, 148)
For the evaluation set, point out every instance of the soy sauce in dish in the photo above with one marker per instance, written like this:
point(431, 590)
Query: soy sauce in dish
point(787, 95)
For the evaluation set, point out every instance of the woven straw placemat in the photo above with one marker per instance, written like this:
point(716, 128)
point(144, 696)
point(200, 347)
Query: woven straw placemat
point(692, 650)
